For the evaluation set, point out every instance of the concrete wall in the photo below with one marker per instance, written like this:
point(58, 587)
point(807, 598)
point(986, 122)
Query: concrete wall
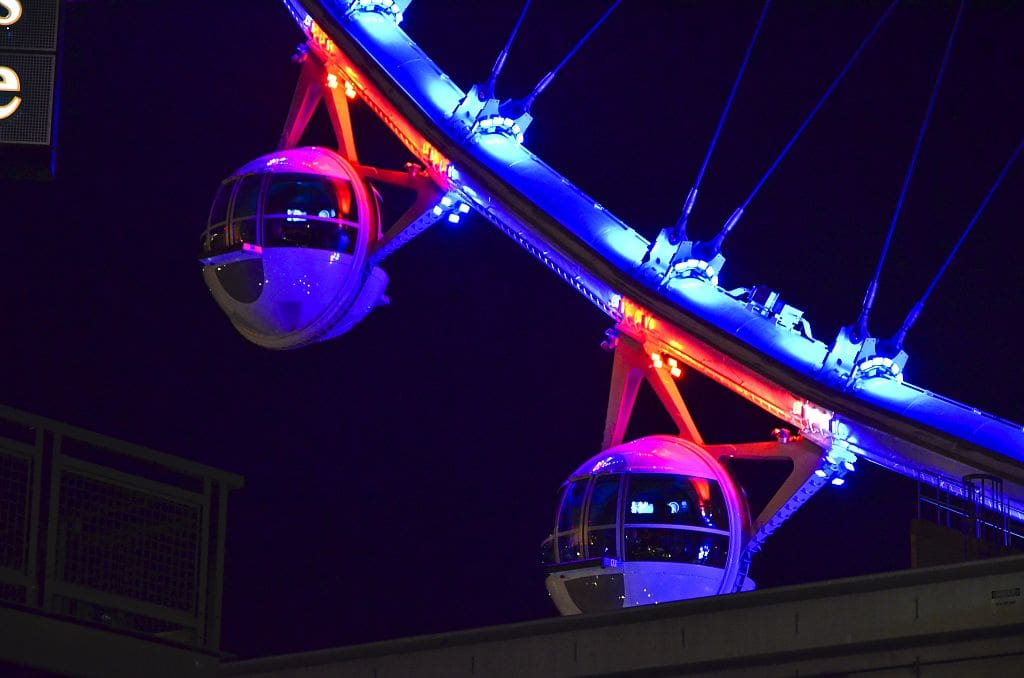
point(36, 644)
point(963, 620)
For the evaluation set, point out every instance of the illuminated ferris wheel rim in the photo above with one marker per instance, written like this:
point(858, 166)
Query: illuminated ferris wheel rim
point(884, 411)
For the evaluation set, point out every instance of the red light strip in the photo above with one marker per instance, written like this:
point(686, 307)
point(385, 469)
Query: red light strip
point(328, 52)
point(658, 336)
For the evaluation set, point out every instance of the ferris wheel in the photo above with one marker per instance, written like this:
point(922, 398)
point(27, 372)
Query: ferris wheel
point(296, 241)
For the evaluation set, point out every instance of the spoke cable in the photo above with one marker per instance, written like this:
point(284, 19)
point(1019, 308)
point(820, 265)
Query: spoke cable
point(488, 89)
point(915, 311)
point(679, 232)
point(716, 244)
point(861, 327)
point(546, 80)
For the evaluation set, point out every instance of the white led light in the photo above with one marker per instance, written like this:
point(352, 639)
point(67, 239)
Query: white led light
point(500, 125)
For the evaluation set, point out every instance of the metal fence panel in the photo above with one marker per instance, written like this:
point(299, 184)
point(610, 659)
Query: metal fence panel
point(131, 538)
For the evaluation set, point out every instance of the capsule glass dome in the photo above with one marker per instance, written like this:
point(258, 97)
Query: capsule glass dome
point(284, 252)
point(651, 521)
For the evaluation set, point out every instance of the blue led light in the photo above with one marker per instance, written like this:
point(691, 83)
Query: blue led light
point(450, 208)
point(838, 481)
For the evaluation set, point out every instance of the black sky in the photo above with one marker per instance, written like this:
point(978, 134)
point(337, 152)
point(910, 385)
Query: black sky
point(400, 479)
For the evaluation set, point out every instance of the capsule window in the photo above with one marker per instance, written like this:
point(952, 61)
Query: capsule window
point(570, 545)
point(306, 195)
point(572, 506)
point(241, 228)
point(216, 228)
point(308, 211)
point(219, 211)
point(247, 198)
point(675, 500)
point(676, 545)
point(604, 500)
point(602, 517)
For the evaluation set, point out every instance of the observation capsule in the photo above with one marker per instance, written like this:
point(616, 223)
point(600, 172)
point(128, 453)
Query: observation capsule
point(650, 521)
point(285, 249)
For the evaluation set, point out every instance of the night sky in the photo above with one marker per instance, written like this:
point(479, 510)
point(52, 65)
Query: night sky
point(400, 479)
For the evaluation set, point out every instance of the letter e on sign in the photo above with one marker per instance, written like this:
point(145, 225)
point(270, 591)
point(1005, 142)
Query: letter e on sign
point(9, 82)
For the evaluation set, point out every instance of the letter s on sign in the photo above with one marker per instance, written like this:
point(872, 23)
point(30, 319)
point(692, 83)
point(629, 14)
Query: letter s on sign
point(10, 12)
point(9, 82)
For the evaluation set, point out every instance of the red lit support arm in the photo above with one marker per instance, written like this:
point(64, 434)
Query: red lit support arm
point(631, 366)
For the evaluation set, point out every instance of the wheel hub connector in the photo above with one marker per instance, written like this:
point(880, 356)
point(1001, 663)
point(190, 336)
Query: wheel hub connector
point(666, 261)
point(389, 9)
point(490, 120)
point(878, 367)
point(696, 269)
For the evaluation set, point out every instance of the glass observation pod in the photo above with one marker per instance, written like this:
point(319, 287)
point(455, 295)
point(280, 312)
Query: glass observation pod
point(650, 521)
point(284, 252)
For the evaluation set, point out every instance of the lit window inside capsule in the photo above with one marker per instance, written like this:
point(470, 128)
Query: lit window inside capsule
point(309, 211)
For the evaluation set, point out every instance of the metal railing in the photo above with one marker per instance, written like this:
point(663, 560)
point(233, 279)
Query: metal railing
point(109, 532)
point(975, 509)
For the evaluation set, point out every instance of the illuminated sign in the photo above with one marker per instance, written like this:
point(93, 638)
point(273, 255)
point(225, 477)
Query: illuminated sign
point(28, 71)
point(11, 12)
point(9, 82)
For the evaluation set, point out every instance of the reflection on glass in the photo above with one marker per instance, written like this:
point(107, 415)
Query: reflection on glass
point(303, 195)
point(324, 235)
point(231, 236)
point(601, 543)
point(572, 506)
point(219, 211)
point(604, 499)
point(247, 197)
point(569, 547)
point(675, 545)
point(306, 211)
